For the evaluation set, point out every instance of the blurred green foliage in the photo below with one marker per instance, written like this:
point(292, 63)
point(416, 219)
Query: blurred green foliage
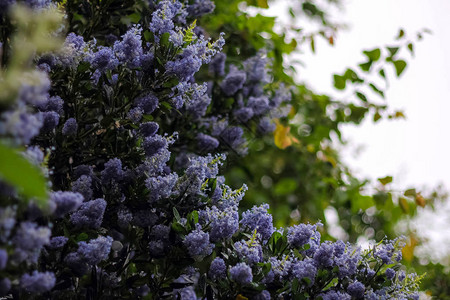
point(300, 172)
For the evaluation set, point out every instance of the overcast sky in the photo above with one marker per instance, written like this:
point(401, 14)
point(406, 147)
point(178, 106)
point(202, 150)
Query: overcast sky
point(415, 151)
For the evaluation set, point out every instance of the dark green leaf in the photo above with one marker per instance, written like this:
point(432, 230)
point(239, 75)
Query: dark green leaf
point(392, 50)
point(376, 89)
point(385, 180)
point(361, 96)
point(410, 193)
point(411, 48)
point(400, 66)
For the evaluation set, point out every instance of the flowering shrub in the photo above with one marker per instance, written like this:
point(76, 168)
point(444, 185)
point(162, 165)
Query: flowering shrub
point(132, 145)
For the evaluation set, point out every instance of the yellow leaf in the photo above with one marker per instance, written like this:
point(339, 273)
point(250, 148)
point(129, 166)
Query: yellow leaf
point(263, 3)
point(404, 205)
point(408, 250)
point(240, 297)
point(420, 200)
point(282, 138)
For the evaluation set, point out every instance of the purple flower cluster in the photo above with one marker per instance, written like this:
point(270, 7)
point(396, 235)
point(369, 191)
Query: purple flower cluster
point(140, 210)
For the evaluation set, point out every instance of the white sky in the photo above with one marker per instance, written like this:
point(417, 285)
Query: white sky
point(415, 151)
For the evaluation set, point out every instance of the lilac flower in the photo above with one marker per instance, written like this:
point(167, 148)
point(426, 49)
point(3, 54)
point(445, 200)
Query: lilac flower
point(34, 88)
point(390, 273)
point(241, 273)
point(198, 101)
point(104, 59)
point(148, 129)
point(129, 49)
point(5, 283)
point(57, 242)
point(264, 295)
point(50, 120)
point(76, 41)
point(83, 186)
point(281, 268)
point(250, 251)
point(38, 282)
point(200, 8)
point(148, 103)
point(135, 114)
point(197, 243)
point(90, 214)
point(162, 18)
point(3, 258)
point(333, 295)
point(76, 263)
point(218, 269)
point(38, 4)
point(217, 65)
point(186, 293)
point(124, 217)
point(256, 70)
point(144, 218)
point(243, 114)
point(83, 170)
point(347, 261)
point(232, 136)
point(7, 222)
point(258, 219)
point(96, 250)
point(223, 223)
point(154, 144)
point(70, 127)
point(112, 171)
point(356, 289)
point(259, 105)
point(401, 276)
point(305, 269)
point(21, 125)
point(234, 81)
point(35, 155)
point(54, 103)
point(161, 186)
point(186, 65)
point(206, 143)
point(299, 235)
point(324, 255)
point(66, 202)
point(29, 240)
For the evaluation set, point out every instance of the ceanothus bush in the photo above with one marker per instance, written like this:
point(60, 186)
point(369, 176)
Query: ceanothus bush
point(132, 145)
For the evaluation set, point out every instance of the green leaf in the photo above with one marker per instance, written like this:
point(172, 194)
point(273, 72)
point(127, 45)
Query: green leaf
point(313, 45)
point(176, 214)
point(376, 90)
point(385, 180)
point(339, 82)
point(392, 50)
point(400, 66)
point(365, 66)
point(411, 48)
point(374, 54)
point(401, 33)
point(20, 173)
point(376, 116)
point(361, 96)
point(410, 193)
point(382, 73)
point(285, 186)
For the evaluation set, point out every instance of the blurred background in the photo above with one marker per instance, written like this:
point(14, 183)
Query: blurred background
point(364, 148)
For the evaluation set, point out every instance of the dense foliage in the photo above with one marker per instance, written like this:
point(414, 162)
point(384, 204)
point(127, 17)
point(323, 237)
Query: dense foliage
point(131, 133)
